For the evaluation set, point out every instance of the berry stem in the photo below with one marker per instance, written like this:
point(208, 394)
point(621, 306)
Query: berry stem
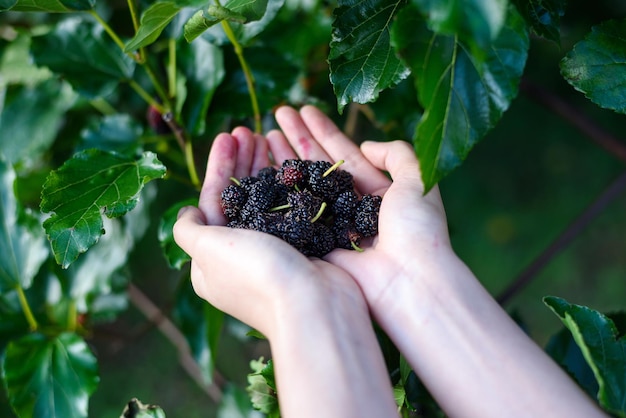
point(319, 212)
point(281, 207)
point(356, 247)
point(235, 180)
point(333, 168)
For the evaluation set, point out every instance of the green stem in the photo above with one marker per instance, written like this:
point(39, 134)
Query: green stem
point(171, 68)
point(109, 30)
point(146, 96)
point(332, 168)
point(319, 212)
point(246, 71)
point(133, 15)
point(103, 106)
point(71, 316)
point(157, 86)
point(30, 318)
point(191, 165)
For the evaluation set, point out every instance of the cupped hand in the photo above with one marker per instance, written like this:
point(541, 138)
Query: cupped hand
point(253, 276)
point(412, 226)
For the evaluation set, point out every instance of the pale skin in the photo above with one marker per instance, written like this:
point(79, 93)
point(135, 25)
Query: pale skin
point(473, 358)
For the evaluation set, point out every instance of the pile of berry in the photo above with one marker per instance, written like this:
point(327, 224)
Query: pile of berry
point(312, 205)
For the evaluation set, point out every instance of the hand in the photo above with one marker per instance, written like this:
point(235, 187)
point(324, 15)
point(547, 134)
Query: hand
point(312, 312)
point(412, 227)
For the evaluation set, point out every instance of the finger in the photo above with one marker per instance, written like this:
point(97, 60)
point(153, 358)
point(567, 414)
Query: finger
point(245, 151)
point(338, 146)
point(260, 157)
point(298, 135)
point(279, 147)
point(187, 228)
point(220, 167)
point(397, 157)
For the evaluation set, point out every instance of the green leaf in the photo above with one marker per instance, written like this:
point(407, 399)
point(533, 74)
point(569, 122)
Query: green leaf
point(563, 349)
point(597, 65)
point(239, 12)
point(362, 59)
point(22, 241)
point(135, 409)
point(597, 337)
point(31, 119)
point(16, 65)
point(201, 324)
point(462, 98)
point(476, 22)
point(203, 66)
point(50, 6)
point(153, 21)
point(50, 376)
point(543, 16)
point(85, 56)
point(263, 397)
point(117, 133)
point(89, 184)
point(175, 256)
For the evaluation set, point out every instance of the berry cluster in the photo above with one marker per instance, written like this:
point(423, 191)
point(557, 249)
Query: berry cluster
point(312, 205)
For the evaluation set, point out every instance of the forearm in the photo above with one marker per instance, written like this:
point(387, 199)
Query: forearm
point(328, 362)
point(473, 358)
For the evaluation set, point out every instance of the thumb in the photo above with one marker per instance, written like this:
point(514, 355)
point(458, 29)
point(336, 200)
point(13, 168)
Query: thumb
point(188, 226)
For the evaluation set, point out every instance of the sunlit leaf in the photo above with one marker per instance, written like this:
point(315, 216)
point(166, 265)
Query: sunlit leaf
point(51, 6)
point(22, 241)
point(362, 59)
point(201, 323)
point(31, 119)
point(88, 185)
point(50, 376)
point(597, 65)
point(84, 55)
point(153, 20)
point(605, 352)
point(236, 403)
point(462, 98)
point(544, 16)
point(261, 394)
point(136, 409)
point(16, 65)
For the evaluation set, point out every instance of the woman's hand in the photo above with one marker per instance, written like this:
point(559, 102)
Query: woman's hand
point(412, 227)
point(326, 356)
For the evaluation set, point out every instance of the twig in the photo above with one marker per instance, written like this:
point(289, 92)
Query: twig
point(172, 333)
point(576, 118)
point(589, 214)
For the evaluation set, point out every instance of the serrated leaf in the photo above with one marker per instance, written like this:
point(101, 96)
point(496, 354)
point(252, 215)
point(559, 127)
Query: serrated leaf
point(463, 99)
point(475, 22)
point(50, 376)
point(235, 403)
point(50, 6)
point(175, 256)
point(84, 55)
point(16, 65)
point(136, 409)
point(153, 20)
point(201, 324)
point(203, 66)
point(22, 241)
point(31, 119)
point(90, 184)
point(262, 396)
point(362, 60)
point(597, 65)
point(543, 16)
point(597, 337)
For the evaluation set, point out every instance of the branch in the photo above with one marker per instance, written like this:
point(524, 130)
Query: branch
point(576, 118)
point(614, 190)
point(172, 333)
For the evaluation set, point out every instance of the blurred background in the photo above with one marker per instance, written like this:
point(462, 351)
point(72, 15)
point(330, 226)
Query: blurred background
point(520, 188)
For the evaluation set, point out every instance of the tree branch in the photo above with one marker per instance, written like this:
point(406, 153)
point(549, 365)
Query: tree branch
point(172, 333)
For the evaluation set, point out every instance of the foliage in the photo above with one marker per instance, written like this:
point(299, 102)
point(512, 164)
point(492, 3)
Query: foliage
point(99, 100)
